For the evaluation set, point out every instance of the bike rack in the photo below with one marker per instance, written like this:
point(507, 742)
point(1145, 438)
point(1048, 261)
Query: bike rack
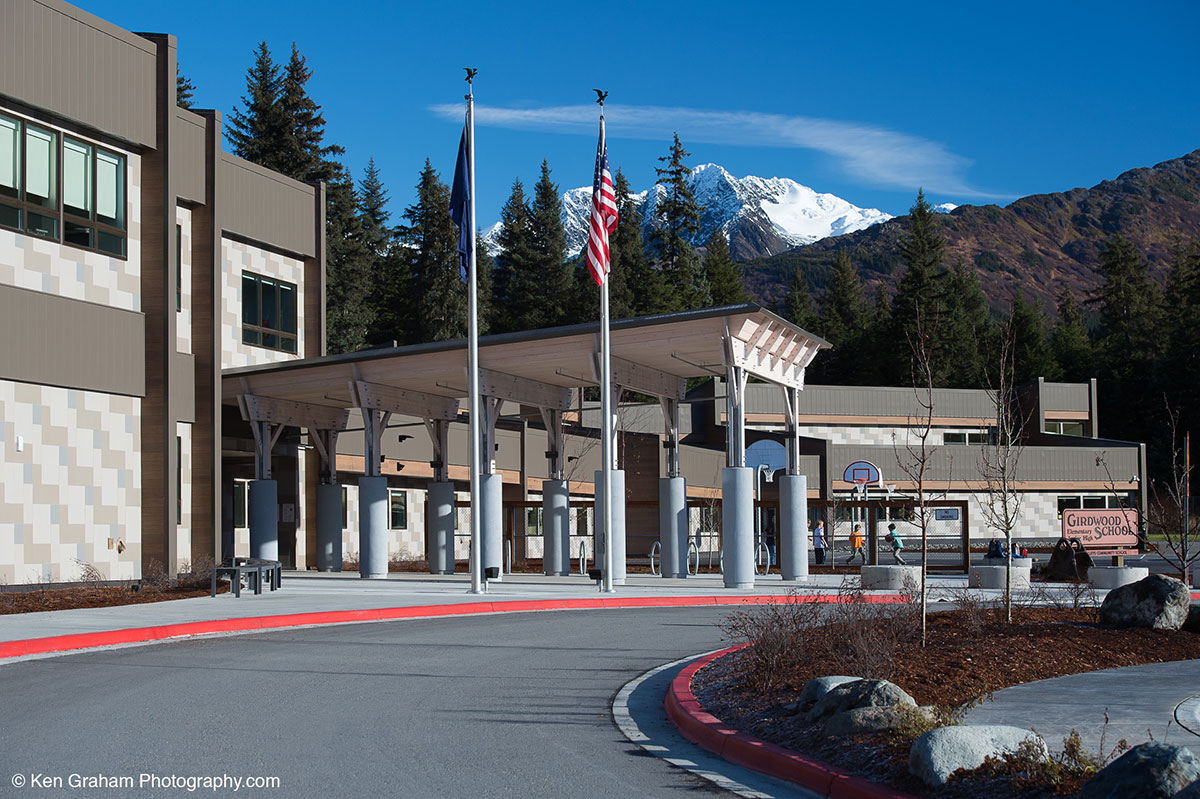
point(583, 559)
point(653, 550)
point(508, 553)
point(758, 557)
point(693, 548)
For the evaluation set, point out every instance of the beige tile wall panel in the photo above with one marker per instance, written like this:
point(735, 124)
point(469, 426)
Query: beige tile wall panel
point(65, 342)
point(183, 317)
point(74, 484)
point(406, 544)
point(188, 152)
point(40, 265)
point(79, 67)
point(266, 207)
point(237, 257)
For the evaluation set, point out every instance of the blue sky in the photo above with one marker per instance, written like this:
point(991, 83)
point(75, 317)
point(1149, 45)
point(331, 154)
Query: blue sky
point(974, 102)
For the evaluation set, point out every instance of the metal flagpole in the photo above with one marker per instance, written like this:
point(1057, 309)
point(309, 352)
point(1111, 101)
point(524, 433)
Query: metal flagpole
point(473, 355)
point(606, 449)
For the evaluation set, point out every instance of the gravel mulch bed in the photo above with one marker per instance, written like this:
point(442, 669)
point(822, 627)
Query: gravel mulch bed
point(969, 654)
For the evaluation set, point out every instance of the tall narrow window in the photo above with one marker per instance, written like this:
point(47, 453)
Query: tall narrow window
point(10, 171)
point(179, 267)
point(77, 193)
point(239, 503)
point(41, 180)
point(178, 480)
point(397, 509)
point(110, 202)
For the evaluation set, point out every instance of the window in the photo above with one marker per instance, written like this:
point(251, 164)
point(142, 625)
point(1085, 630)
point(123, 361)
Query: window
point(1094, 503)
point(178, 480)
point(239, 502)
point(91, 210)
point(268, 313)
point(179, 267)
point(965, 438)
point(397, 509)
point(345, 507)
point(1065, 428)
point(1068, 503)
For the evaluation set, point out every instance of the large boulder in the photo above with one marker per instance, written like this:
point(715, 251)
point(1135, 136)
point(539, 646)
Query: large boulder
point(1158, 602)
point(816, 688)
point(1192, 623)
point(872, 719)
point(860, 693)
point(937, 754)
point(1190, 792)
point(1148, 771)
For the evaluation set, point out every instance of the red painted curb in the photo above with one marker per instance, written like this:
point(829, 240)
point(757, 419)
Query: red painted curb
point(76, 641)
point(706, 730)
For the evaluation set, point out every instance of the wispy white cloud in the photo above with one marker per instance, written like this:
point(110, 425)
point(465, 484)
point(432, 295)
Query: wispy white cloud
point(872, 154)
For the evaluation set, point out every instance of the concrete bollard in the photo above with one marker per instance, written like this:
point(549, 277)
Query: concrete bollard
point(891, 578)
point(993, 577)
point(1107, 577)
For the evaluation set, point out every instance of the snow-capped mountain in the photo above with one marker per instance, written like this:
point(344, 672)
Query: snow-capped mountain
point(944, 208)
point(760, 216)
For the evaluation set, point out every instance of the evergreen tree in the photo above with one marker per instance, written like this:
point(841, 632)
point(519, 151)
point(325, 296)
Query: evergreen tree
point(677, 219)
point(843, 322)
point(922, 249)
point(440, 296)
point(185, 90)
point(1031, 353)
point(880, 354)
point(259, 132)
point(1130, 310)
point(1180, 363)
point(305, 155)
point(387, 267)
point(546, 292)
point(965, 331)
point(637, 288)
point(724, 280)
point(348, 317)
point(798, 307)
point(1069, 343)
point(511, 284)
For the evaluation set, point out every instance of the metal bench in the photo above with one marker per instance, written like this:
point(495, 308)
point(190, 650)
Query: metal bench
point(253, 570)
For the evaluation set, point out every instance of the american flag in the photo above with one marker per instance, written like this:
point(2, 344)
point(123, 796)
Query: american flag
point(604, 214)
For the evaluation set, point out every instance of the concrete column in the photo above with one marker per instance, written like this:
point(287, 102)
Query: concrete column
point(737, 516)
point(618, 527)
point(439, 511)
point(372, 528)
point(672, 526)
point(793, 526)
point(556, 528)
point(264, 519)
point(329, 527)
point(491, 520)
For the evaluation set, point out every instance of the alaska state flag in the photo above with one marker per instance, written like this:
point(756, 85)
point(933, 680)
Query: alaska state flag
point(460, 204)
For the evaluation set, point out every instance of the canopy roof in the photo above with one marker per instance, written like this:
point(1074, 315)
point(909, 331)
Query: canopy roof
point(651, 354)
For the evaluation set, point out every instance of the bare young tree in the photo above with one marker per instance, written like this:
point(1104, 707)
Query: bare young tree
point(1001, 504)
point(1167, 512)
point(915, 458)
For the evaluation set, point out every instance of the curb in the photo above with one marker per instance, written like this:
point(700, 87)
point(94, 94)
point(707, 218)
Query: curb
point(707, 731)
point(137, 635)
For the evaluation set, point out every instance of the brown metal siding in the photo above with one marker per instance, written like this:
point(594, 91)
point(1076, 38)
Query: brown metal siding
point(187, 156)
point(71, 343)
point(56, 57)
point(266, 207)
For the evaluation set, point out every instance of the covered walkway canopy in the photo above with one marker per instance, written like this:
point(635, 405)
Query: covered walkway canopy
point(652, 355)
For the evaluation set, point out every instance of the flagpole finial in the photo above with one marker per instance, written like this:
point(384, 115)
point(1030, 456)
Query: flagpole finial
point(600, 98)
point(471, 73)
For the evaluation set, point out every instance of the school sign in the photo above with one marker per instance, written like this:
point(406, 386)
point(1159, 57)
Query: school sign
point(1101, 528)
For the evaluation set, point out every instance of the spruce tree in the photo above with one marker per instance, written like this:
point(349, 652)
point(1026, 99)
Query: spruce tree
point(677, 220)
point(724, 280)
point(922, 249)
point(798, 307)
point(1180, 362)
point(306, 156)
point(843, 322)
point(546, 296)
point(637, 288)
point(387, 267)
point(1130, 310)
point(348, 316)
point(259, 131)
point(185, 90)
point(439, 301)
point(516, 260)
point(965, 331)
point(1031, 353)
point(1069, 343)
